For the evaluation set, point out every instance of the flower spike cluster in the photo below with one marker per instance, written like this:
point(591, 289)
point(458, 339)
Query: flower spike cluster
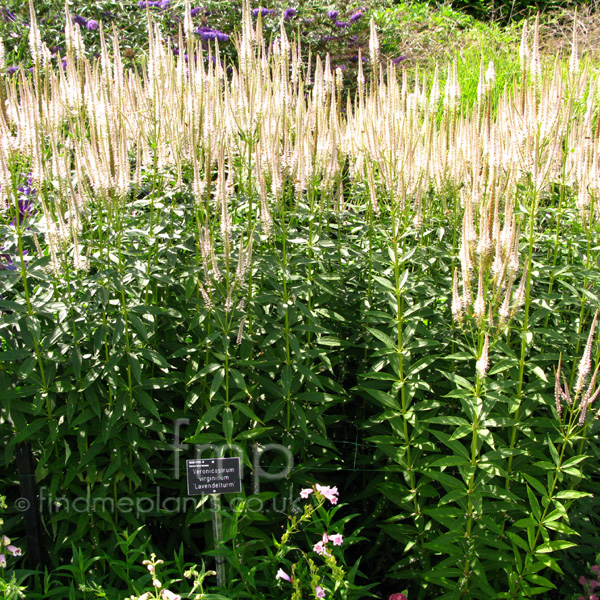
point(581, 398)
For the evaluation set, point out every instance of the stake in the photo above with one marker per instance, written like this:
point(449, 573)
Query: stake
point(31, 512)
point(218, 536)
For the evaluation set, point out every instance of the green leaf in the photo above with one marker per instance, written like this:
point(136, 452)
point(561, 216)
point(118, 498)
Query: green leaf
point(208, 416)
point(386, 339)
point(554, 546)
point(385, 399)
point(534, 483)
point(572, 494)
point(449, 461)
point(228, 424)
point(539, 580)
point(458, 380)
point(155, 357)
point(147, 402)
point(216, 382)
point(244, 408)
point(139, 326)
point(134, 363)
point(560, 527)
point(29, 430)
point(553, 452)
point(518, 540)
point(308, 374)
point(421, 364)
point(573, 461)
point(534, 504)
point(448, 420)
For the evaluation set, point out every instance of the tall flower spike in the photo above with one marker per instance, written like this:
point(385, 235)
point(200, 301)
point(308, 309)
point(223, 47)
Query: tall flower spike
point(535, 62)
point(479, 305)
point(483, 363)
point(481, 82)
point(457, 307)
point(557, 389)
point(574, 61)
point(490, 76)
point(524, 47)
point(588, 397)
point(585, 364)
point(373, 43)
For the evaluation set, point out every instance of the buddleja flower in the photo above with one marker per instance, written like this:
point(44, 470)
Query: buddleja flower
point(262, 11)
point(333, 14)
point(288, 13)
point(355, 17)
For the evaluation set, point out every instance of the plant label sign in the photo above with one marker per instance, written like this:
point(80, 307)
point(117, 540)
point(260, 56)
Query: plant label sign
point(213, 476)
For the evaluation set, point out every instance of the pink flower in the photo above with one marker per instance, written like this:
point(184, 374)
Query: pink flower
point(337, 539)
point(167, 595)
point(2, 560)
point(5, 540)
point(582, 580)
point(594, 584)
point(593, 597)
point(320, 592)
point(319, 548)
point(596, 569)
point(330, 493)
point(14, 550)
point(398, 597)
point(145, 596)
point(325, 538)
point(281, 574)
point(306, 493)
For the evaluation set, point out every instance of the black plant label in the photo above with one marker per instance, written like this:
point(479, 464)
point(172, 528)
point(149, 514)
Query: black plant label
point(213, 476)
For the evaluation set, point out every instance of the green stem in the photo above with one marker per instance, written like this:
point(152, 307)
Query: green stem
point(524, 335)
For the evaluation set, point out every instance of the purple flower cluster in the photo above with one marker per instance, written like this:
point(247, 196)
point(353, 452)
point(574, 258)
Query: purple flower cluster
point(399, 59)
point(262, 11)
point(288, 13)
point(26, 207)
point(154, 3)
point(207, 34)
point(354, 58)
point(333, 14)
point(91, 25)
point(342, 25)
point(355, 17)
point(195, 12)
point(7, 15)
